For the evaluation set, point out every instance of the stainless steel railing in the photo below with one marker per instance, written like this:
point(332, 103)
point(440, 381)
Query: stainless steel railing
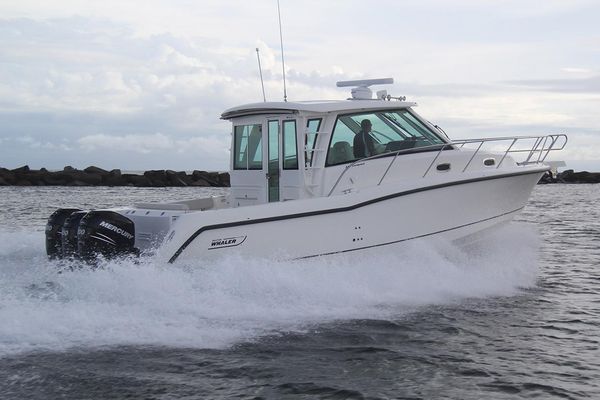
point(537, 152)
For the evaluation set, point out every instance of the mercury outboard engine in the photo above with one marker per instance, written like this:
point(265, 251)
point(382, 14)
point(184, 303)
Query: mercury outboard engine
point(107, 233)
point(54, 231)
point(69, 234)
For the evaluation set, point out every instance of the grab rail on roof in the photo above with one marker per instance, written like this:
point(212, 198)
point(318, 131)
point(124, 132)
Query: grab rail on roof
point(537, 153)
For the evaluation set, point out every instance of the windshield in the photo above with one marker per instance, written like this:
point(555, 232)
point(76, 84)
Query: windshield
point(367, 134)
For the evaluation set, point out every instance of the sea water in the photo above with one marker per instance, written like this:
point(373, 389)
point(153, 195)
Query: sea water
point(516, 315)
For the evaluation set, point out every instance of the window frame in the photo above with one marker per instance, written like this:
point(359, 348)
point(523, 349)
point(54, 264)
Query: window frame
point(314, 143)
point(283, 144)
point(444, 140)
point(249, 165)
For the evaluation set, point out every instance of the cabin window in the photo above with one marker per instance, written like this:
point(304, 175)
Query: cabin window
point(273, 161)
point(391, 131)
point(247, 147)
point(312, 127)
point(340, 148)
point(290, 145)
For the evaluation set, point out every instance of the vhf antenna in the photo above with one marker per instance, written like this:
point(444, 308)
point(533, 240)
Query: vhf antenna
point(282, 59)
point(262, 83)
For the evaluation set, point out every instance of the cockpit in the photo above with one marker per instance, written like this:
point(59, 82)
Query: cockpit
point(291, 150)
point(390, 131)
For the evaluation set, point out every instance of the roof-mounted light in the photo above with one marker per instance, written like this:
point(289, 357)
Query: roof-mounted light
point(361, 90)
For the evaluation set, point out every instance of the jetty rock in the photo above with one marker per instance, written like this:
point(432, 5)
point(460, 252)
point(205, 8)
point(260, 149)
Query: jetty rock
point(95, 176)
point(570, 176)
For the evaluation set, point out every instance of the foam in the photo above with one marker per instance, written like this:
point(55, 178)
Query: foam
point(238, 299)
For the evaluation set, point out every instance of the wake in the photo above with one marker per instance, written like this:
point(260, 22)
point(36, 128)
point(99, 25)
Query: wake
point(44, 306)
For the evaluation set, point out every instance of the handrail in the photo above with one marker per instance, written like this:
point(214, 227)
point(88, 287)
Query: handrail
point(506, 152)
point(542, 152)
point(472, 157)
point(387, 154)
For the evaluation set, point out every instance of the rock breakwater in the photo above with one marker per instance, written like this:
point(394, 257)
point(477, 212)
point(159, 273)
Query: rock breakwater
point(570, 176)
point(94, 176)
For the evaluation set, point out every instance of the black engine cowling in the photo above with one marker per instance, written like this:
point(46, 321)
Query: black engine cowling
point(107, 233)
point(54, 226)
point(72, 233)
point(69, 234)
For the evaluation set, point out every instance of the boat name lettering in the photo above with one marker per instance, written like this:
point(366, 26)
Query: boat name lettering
point(226, 242)
point(118, 230)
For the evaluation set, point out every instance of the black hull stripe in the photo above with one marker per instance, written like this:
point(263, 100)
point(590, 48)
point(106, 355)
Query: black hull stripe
point(341, 209)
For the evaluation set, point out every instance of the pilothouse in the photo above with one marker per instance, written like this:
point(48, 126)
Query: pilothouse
point(315, 178)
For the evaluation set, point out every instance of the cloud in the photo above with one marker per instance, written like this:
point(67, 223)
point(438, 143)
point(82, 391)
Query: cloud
point(577, 70)
point(582, 147)
point(135, 143)
point(581, 85)
point(121, 74)
point(32, 143)
point(157, 143)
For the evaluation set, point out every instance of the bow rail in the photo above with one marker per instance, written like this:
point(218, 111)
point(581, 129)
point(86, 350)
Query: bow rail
point(537, 152)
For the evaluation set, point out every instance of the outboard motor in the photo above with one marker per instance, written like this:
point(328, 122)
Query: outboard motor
point(54, 231)
point(69, 234)
point(107, 233)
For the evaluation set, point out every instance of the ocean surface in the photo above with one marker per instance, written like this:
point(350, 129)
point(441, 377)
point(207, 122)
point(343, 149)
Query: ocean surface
point(516, 316)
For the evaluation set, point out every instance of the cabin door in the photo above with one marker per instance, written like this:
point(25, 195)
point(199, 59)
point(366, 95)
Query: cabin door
point(273, 160)
point(283, 174)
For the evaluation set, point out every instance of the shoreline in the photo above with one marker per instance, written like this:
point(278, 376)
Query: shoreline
point(94, 176)
point(570, 176)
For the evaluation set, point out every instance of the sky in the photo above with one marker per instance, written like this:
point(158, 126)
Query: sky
point(141, 85)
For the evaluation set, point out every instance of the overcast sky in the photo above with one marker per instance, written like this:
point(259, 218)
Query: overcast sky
point(141, 85)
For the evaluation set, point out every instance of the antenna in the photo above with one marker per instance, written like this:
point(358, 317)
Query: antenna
point(282, 60)
point(262, 83)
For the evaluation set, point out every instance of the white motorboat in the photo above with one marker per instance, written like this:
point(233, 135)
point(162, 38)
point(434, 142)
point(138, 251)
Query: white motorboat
point(313, 178)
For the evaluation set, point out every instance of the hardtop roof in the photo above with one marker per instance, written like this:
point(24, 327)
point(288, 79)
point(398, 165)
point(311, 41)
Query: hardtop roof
point(321, 106)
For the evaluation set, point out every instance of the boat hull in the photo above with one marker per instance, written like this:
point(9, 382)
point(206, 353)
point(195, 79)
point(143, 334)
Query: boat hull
point(370, 219)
